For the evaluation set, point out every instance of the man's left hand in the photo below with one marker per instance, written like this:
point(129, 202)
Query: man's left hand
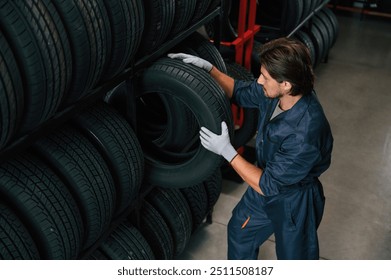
point(218, 144)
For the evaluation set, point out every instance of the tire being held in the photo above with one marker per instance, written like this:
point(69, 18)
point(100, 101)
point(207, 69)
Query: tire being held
point(206, 50)
point(206, 100)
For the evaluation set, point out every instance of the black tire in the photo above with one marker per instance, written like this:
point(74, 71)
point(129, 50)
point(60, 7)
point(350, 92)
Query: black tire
point(313, 5)
point(269, 13)
point(316, 22)
point(156, 232)
point(15, 241)
point(245, 130)
point(197, 200)
point(206, 50)
point(88, 28)
point(291, 15)
point(177, 116)
point(332, 17)
point(306, 40)
point(206, 100)
point(97, 255)
point(126, 243)
point(127, 24)
point(228, 22)
point(184, 10)
point(317, 40)
point(328, 25)
point(118, 144)
point(86, 175)
point(158, 24)
point(39, 42)
point(44, 205)
point(172, 205)
point(200, 10)
point(161, 117)
point(213, 5)
point(213, 187)
point(11, 93)
point(307, 9)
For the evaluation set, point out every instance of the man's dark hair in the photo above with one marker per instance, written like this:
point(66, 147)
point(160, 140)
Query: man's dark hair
point(289, 60)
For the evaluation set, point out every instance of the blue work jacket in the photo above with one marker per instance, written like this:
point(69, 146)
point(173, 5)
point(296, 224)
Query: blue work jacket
point(294, 148)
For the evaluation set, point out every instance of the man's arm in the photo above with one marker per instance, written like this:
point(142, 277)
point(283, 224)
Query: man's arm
point(225, 81)
point(250, 173)
point(221, 145)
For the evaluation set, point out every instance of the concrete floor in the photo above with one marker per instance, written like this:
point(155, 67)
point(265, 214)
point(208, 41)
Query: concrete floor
point(354, 88)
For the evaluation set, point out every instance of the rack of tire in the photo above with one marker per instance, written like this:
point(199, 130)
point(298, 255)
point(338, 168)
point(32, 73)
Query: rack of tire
point(310, 21)
point(99, 149)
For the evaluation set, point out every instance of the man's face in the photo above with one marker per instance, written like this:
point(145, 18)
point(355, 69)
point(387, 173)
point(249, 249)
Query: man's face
point(271, 87)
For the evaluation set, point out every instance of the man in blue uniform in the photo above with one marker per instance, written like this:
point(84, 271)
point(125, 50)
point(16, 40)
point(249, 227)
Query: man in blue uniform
point(293, 148)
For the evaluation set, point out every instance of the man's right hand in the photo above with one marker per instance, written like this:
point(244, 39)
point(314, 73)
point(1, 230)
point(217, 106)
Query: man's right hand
point(195, 60)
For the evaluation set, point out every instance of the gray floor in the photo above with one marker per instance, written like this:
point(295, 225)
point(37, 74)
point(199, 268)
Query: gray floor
point(355, 90)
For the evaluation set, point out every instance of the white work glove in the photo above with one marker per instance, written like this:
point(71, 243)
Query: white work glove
point(195, 60)
point(218, 144)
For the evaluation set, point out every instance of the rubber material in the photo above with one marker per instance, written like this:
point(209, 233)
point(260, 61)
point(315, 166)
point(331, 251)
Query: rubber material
point(86, 174)
point(44, 205)
point(115, 139)
point(210, 107)
point(172, 205)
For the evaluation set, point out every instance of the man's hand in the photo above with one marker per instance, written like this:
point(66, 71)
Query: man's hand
point(218, 144)
point(195, 60)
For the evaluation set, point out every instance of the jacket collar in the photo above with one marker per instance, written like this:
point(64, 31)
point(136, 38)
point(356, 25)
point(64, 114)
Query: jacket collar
point(294, 115)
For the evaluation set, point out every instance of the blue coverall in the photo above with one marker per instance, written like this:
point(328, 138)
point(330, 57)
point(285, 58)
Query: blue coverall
point(293, 150)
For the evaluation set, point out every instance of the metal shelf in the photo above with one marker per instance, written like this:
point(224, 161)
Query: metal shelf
point(308, 18)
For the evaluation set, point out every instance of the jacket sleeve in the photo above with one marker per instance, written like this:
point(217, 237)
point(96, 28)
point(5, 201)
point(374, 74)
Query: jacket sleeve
point(248, 94)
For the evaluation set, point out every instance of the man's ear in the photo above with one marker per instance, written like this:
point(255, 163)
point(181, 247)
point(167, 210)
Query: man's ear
point(286, 86)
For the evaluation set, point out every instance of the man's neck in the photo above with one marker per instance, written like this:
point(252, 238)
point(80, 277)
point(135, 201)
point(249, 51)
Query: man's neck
point(288, 101)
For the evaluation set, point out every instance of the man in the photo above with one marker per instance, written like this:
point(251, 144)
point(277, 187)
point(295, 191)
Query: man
point(293, 148)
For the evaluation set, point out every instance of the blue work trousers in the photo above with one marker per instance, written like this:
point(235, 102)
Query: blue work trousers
point(293, 216)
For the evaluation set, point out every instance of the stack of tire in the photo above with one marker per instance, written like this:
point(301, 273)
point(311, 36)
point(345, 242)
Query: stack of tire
point(64, 195)
point(285, 15)
point(166, 221)
point(54, 52)
point(168, 18)
point(319, 32)
point(320, 35)
point(66, 190)
point(61, 198)
point(280, 18)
